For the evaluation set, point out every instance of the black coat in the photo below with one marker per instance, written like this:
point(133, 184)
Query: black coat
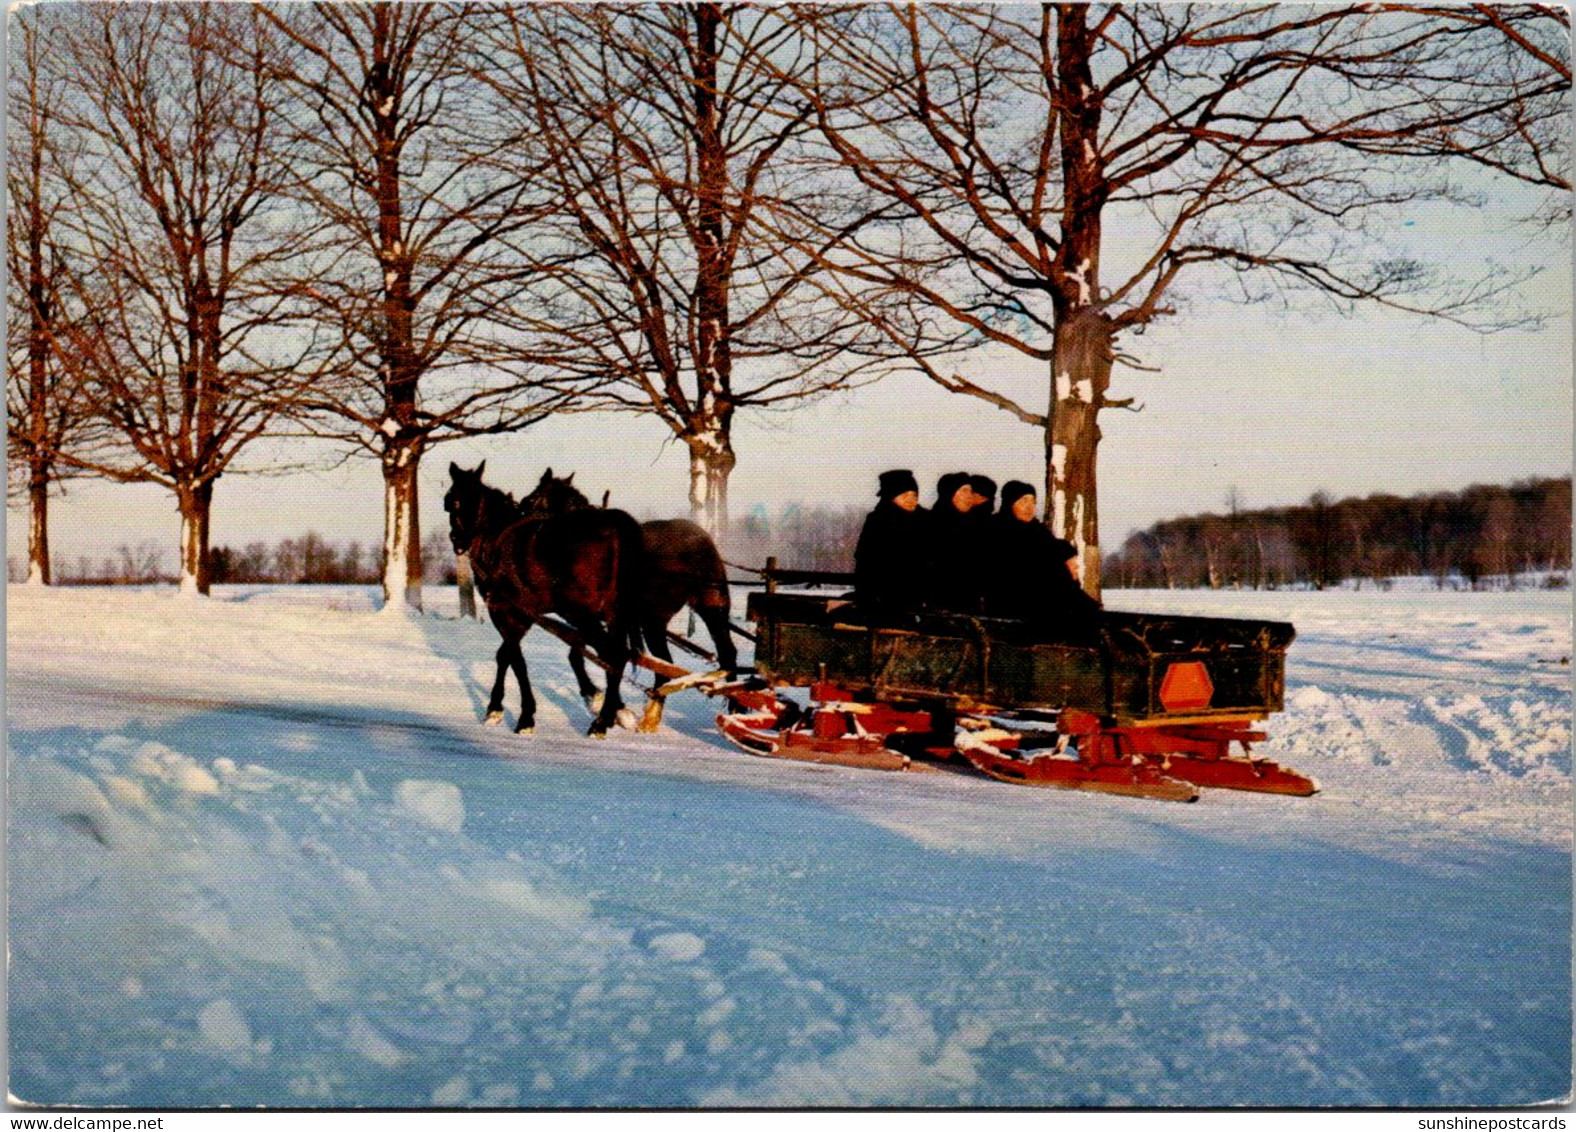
point(1030, 580)
point(959, 555)
point(892, 561)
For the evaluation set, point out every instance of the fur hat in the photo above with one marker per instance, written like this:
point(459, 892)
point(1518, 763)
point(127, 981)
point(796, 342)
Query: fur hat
point(947, 486)
point(1014, 490)
point(896, 482)
point(983, 485)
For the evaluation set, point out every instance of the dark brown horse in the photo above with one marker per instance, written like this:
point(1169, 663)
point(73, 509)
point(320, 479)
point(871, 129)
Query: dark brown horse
point(587, 567)
point(683, 568)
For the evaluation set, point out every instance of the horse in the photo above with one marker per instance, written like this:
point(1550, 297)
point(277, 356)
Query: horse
point(683, 568)
point(586, 566)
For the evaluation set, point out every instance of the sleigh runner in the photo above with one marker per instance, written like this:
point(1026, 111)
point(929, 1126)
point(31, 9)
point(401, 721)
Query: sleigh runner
point(1148, 705)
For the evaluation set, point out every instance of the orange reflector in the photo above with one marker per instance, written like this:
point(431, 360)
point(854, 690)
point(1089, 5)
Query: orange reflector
point(1186, 686)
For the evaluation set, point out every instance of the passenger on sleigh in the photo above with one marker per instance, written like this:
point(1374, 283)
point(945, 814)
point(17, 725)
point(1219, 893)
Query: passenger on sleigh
point(1036, 575)
point(958, 553)
point(892, 557)
point(983, 491)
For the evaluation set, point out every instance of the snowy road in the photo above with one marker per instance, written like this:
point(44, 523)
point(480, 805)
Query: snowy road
point(261, 851)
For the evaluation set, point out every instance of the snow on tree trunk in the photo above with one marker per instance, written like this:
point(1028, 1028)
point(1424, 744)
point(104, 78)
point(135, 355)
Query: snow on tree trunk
point(711, 462)
point(711, 450)
point(41, 313)
point(1081, 347)
point(1081, 369)
point(401, 533)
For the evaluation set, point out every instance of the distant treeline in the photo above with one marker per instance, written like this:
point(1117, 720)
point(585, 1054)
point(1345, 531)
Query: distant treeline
point(1463, 537)
point(799, 537)
point(311, 558)
point(1459, 538)
point(806, 538)
point(314, 559)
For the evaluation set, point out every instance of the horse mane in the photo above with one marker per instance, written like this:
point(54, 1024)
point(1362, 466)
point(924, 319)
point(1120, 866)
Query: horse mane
point(553, 496)
point(495, 500)
point(495, 508)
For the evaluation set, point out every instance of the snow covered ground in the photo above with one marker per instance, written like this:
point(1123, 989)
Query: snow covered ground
point(261, 851)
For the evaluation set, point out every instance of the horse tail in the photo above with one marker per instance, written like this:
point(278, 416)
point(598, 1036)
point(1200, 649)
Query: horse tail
point(629, 603)
point(713, 583)
point(713, 603)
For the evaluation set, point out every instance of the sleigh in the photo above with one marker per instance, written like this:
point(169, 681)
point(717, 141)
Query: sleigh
point(1155, 706)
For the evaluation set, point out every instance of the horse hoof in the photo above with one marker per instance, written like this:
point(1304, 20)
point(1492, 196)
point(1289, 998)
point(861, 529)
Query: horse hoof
point(594, 704)
point(597, 732)
point(493, 718)
point(627, 719)
point(526, 729)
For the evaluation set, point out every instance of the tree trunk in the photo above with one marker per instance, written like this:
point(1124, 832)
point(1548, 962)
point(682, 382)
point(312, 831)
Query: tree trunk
point(401, 533)
point(40, 314)
point(711, 449)
point(467, 584)
point(711, 462)
point(1081, 347)
point(1166, 571)
point(400, 373)
point(195, 502)
point(38, 527)
point(1081, 367)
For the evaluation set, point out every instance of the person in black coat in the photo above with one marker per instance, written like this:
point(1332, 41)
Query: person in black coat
point(1035, 579)
point(892, 556)
point(957, 582)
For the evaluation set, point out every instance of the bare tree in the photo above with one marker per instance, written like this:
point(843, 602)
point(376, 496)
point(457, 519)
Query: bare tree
point(674, 138)
point(182, 343)
point(45, 414)
point(1502, 102)
point(1252, 148)
point(424, 288)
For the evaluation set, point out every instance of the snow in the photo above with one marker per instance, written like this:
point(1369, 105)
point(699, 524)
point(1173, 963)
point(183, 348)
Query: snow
point(261, 850)
point(1080, 276)
point(436, 804)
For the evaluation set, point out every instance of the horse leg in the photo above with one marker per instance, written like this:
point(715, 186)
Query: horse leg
point(589, 692)
point(655, 630)
point(527, 721)
point(510, 657)
point(495, 701)
point(716, 619)
point(612, 647)
point(613, 709)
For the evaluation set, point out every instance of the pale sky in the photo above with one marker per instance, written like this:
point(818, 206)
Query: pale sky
point(1276, 403)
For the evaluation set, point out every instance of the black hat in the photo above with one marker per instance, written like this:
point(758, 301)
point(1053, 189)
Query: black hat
point(1014, 490)
point(896, 482)
point(983, 485)
point(947, 486)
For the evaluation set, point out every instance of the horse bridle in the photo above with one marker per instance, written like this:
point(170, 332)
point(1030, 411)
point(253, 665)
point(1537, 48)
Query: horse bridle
point(451, 508)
